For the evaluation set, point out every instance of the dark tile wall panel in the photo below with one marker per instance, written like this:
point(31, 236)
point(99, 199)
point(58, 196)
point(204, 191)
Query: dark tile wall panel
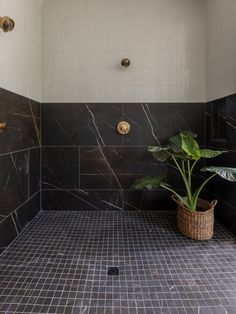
point(80, 124)
point(60, 167)
point(8, 232)
point(22, 116)
point(221, 133)
point(148, 200)
point(95, 124)
point(82, 199)
point(34, 171)
point(116, 167)
point(25, 213)
point(155, 123)
point(19, 164)
point(221, 123)
point(88, 165)
point(13, 180)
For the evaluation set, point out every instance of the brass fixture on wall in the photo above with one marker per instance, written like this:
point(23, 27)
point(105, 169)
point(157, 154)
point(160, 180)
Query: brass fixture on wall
point(123, 127)
point(125, 63)
point(3, 127)
point(7, 24)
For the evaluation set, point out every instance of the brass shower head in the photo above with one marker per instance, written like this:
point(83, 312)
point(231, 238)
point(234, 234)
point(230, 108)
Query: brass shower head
point(125, 63)
point(7, 24)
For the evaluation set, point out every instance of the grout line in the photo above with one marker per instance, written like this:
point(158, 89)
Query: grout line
point(205, 124)
point(123, 116)
point(28, 174)
point(19, 151)
point(79, 166)
point(102, 146)
point(109, 146)
point(40, 161)
point(131, 103)
point(222, 148)
point(33, 117)
point(123, 189)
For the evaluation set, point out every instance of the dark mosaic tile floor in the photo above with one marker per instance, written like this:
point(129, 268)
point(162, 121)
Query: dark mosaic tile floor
point(59, 265)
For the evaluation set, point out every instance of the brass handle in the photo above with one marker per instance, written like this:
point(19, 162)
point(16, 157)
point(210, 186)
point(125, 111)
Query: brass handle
point(123, 127)
point(3, 127)
point(125, 63)
point(7, 24)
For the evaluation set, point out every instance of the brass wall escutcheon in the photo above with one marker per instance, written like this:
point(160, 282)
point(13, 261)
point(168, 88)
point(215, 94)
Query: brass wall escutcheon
point(123, 127)
point(3, 127)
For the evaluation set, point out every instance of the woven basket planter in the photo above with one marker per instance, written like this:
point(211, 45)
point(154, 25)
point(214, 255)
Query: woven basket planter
point(197, 225)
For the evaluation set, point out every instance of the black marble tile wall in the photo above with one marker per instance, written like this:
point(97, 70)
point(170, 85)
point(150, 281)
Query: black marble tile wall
point(87, 165)
point(221, 133)
point(19, 164)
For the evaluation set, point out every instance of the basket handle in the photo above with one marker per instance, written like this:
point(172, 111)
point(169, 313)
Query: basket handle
point(175, 199)
point(214, 203)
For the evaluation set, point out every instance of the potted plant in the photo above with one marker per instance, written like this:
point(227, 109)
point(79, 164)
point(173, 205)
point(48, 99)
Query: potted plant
point(195, 216)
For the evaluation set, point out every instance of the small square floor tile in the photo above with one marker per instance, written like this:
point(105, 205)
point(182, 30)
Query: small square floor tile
point(60, 264)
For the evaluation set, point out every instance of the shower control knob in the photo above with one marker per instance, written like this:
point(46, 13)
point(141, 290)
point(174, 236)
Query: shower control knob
point(6, 23)
point(125, 63)
point(123, 127)
point(3, 127)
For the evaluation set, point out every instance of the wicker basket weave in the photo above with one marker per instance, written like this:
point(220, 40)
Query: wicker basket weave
point(196, 225)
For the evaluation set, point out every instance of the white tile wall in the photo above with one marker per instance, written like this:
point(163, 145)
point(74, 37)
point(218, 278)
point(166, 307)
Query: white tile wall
point(20, 50)
point(220, 48)
point(85, 40)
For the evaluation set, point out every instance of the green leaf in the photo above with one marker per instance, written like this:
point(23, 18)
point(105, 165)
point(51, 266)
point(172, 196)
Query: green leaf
point(190, 145)
point(176, 143)
point(159, 153)
point(188, 133)
point(209, 153)
point(181, 155)
point(147, 182)
point(224, 172)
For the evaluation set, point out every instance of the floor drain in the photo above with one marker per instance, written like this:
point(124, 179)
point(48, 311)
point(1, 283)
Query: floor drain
point(113, 271)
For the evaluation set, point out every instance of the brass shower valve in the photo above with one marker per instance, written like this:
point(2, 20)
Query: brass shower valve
point(3, 127)
point(123, 127)
point(7, 24)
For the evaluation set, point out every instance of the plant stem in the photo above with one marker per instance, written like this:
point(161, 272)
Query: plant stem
point(194, 164)
point(185, 181)
point(198, 191)
point(176, 194)
point(183, 167)
point(189, 175)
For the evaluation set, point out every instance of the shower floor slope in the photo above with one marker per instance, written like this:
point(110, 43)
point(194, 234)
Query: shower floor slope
point(60, 263)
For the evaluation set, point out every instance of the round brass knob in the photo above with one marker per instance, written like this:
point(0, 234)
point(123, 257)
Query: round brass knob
point(123, 127)
point(7, 24)
point(125, 62)
point(3, 127)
